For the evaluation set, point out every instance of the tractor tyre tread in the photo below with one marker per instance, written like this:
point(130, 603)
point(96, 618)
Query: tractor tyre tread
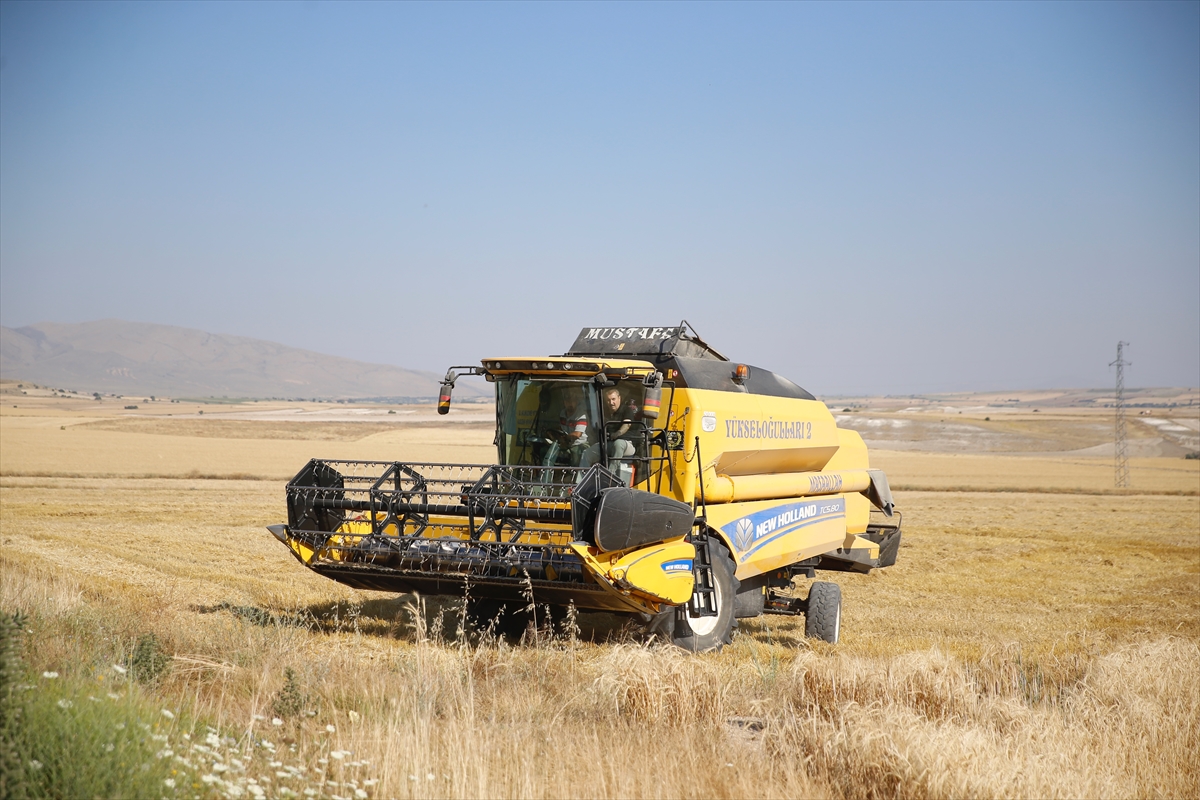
point(823, 618)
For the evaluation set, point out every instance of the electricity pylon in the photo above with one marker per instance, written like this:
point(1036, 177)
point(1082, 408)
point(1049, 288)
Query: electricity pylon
point(1121, 463)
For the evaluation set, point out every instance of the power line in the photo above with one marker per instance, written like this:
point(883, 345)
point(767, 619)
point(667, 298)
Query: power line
point(1121, 463)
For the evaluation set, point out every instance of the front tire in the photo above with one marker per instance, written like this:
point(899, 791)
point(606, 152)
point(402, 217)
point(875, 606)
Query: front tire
point(706, 633)
point(823, 619)
point(511, 619)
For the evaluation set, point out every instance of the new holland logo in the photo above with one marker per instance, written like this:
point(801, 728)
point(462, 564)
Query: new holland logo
point(743, 535)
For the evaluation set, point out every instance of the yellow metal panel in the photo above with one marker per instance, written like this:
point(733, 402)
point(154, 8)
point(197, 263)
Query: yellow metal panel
point(725, 489)
point(851, 453)
point(858, 513)
point(746, 434)
point(598, 564)
point(663, 571)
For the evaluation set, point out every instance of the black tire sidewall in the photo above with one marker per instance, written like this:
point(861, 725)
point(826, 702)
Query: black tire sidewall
point(822, 619)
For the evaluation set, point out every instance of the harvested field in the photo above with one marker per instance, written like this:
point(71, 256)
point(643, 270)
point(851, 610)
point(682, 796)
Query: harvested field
point(1039, 636)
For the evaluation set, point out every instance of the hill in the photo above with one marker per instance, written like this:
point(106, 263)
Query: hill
point(132, 358)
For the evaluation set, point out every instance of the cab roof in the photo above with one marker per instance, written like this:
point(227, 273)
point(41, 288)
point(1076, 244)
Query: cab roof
point(564, 365)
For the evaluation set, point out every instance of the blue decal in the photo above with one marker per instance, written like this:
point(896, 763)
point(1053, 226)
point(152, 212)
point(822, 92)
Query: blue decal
point(755, 530)
point(678, 565)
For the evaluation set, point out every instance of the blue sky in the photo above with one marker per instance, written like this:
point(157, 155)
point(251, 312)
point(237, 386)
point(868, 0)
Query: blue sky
point(887, 198)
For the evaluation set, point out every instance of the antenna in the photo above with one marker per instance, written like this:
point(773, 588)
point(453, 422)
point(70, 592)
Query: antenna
point(1121, 462)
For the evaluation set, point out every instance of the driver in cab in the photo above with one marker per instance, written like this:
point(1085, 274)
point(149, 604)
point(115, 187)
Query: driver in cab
point(573, 423)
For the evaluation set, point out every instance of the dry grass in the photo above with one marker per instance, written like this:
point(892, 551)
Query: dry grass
point(1025, 644)
point(957, 472)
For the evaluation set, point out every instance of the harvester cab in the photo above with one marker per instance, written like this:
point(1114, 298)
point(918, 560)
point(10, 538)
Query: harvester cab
point(640, 473)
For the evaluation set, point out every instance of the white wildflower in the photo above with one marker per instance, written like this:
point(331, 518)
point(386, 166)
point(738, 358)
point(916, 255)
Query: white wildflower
point(210, 779)
point(65, 703)
point(359, 793)
point(212, 741)
point(275, 764)
point(338, 754)
point(219, 767)
point(168, 714)
point(281, 774)
point(49, 675)
point(237, 764)
point(310, 792)
point(276, 721)
point(354, 716)
point(158, 737)
point(94, 699)
point(34, 764)
point(257, 717)
point(234, 790)
point(169, 783)
point(429, 776)
point(286, 792)
point(164, 753)
point(108, 748)
point(371, 782)
point(256, 790)
point(117, 668)
point(114, 696)
point(322, 760)
point(120, 726)
point(330, 729)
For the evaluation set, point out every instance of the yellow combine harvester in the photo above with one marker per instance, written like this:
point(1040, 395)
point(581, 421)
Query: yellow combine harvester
point(641, 473)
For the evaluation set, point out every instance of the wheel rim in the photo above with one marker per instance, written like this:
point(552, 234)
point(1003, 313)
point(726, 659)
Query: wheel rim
point(702, 626)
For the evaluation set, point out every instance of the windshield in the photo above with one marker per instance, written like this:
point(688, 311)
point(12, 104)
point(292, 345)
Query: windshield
point(570, 423)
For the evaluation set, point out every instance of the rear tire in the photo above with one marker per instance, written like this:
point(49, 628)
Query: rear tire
point(823, 619)
point(706, 633)
point(751, 598)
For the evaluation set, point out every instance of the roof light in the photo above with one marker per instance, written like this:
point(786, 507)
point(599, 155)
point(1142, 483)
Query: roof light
point(741, 374)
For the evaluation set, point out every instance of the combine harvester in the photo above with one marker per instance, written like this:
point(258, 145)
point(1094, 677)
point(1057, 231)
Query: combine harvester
point(641, 473)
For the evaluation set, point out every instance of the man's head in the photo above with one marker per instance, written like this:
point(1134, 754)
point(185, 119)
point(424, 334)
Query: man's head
point(612, 398)
point(570, 400)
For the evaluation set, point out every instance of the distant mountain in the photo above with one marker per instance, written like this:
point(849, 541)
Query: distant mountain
point(133, 358)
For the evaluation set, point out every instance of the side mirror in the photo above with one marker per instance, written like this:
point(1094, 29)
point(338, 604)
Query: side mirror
point(444, 395)
point(653, 399)
point(448, 385)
